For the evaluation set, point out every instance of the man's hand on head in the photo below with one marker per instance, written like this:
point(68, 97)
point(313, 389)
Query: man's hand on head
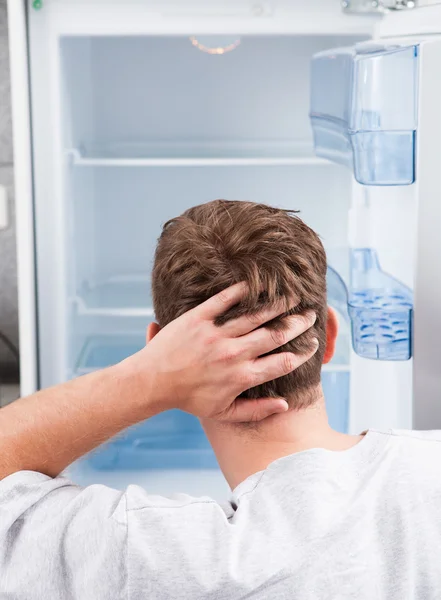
point(198, 367)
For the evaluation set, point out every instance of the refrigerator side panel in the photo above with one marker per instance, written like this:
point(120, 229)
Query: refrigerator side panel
point(49, 193)
point(18, 51)
point(427, 325)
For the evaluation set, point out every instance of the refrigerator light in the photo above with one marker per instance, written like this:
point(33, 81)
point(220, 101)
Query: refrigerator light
point(215, 44)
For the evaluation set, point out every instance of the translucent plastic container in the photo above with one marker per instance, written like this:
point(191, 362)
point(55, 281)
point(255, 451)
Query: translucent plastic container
point(364, 110)
point(171, 440)
point(336, 375)
point(338, 299)
point(121, 295)
point(381, 310)
point(337, 292)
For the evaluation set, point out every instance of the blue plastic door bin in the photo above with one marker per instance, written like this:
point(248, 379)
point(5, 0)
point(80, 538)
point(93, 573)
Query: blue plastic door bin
point(364, 110)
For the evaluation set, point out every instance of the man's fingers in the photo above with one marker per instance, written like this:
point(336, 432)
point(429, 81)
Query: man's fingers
point(265, 339)
point(220, 303)
point(248, 411)
point(276, 365)
point(243, 325)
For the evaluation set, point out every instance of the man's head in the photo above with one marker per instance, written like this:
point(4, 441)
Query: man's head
point(211, 246)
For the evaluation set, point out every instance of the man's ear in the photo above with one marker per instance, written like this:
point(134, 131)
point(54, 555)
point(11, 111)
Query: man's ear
point(152, 330)
point(331, 335)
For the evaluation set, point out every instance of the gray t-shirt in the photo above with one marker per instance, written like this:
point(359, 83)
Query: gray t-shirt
point(364, 523)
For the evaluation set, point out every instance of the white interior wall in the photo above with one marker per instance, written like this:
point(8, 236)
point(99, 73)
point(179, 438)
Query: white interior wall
point(78, 88)
point(164, 88)
point(131, 205)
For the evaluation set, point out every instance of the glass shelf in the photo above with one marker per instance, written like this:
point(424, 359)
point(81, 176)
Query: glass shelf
point(197, 153)
point(117, 296)
point(377, 309)
point(100, 351)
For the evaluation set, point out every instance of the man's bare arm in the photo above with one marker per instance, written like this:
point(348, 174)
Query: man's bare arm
point(191, 364)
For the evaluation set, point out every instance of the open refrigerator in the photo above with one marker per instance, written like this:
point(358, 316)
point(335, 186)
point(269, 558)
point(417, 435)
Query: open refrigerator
point(127, 113)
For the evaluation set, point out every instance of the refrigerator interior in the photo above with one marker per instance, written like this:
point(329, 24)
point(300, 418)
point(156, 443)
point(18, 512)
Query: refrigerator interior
point(150, 127)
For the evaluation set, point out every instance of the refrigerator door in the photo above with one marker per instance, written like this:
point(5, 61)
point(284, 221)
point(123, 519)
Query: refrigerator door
point(424, 23)
point(396, 109)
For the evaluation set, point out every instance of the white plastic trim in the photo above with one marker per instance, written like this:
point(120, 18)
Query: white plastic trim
point(18, 53)
point(419, 21)
point(85, 310)
point(132, 17)
point(80, 161)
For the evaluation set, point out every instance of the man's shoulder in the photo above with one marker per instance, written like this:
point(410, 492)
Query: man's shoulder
point(416, 453)
point(411, 442)
point(413, 435)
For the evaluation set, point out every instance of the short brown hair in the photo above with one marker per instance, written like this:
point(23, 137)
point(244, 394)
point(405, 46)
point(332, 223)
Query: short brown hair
point(211, 246)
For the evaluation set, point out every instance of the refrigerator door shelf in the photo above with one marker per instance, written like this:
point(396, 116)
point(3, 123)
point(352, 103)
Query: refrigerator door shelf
point(338, 299)
point(196, 153)
point(364, 110)
point(380, 308)
point(337, 292)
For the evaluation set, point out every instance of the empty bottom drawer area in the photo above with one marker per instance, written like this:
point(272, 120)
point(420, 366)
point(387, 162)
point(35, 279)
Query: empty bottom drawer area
point(174, 439)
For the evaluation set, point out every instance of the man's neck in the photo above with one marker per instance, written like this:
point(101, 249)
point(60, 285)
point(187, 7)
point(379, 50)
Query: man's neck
point(243, 450)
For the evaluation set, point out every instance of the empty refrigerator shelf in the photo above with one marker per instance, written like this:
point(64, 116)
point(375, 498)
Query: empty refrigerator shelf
point(123, 296)
point(100, 351)
point(196, 153)
point(129, 296)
